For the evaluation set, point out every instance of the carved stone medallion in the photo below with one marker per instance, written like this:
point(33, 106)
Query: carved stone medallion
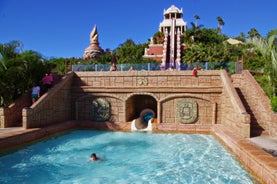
point(187, 111)
point(142, 81)
point(101, 110)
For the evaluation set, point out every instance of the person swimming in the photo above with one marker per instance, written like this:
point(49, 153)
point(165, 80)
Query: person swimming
point(93, 157)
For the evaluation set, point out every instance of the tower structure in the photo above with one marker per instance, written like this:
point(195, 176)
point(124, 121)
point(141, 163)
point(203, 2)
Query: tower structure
point(94, 49)
point(169, 52)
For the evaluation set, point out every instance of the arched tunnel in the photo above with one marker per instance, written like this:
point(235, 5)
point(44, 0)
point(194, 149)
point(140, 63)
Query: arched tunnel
point(137, 104)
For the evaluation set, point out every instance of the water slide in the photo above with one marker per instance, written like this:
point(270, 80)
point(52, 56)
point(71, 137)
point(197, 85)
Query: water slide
point(144, 121)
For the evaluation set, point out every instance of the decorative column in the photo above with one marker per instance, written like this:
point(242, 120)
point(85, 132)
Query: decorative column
point(172, 43)
point(178, 52)
point(164, 48)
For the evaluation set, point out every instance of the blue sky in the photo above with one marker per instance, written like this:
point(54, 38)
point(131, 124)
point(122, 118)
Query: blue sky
point(61, 28)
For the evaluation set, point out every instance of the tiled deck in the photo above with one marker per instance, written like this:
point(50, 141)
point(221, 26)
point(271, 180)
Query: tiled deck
point(249, 151)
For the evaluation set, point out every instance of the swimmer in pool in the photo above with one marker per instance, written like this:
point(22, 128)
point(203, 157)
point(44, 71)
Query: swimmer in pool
point(93, 157)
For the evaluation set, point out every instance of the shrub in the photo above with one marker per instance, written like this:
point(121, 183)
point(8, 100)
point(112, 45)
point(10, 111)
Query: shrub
point(273, 102)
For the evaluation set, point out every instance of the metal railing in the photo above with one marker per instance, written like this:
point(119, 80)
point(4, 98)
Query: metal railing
point(231, 67)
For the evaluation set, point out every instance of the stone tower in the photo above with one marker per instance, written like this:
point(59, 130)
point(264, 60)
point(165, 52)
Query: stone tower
point(94, 49)
point(173, 26)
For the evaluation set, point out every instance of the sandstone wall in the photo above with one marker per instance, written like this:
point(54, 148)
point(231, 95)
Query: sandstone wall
point(53, 107)
point(12, 115)
point(257, 101)
point(212, 91)
point(180, 101)
point(233, 112)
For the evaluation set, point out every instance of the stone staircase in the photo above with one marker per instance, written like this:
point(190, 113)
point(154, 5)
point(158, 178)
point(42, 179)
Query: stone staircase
point(255, 128)
point(256, 103)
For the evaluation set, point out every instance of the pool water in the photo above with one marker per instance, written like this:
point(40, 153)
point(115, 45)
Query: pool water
point(125, 157)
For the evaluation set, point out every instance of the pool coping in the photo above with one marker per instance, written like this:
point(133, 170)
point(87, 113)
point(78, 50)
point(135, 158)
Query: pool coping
point(260, 163)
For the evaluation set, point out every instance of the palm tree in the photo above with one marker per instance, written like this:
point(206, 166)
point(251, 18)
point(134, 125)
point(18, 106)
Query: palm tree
point(220, 23)
point(18, 70)
point(192, 33)
point(268, 49)
point(196, 18)
point(7, 51)
point(253, 33)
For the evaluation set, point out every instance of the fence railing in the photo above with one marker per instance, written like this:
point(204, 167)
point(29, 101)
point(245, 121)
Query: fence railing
point(231, 67)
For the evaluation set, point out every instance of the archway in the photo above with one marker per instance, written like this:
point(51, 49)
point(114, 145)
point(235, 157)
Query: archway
point(137, 103)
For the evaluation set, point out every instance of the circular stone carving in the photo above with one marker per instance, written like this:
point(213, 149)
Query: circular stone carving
point(101, 110)
point(187, 110)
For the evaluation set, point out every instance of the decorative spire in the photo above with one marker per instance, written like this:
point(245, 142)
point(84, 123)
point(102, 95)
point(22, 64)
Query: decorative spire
point(94, 49)
point(94, 36)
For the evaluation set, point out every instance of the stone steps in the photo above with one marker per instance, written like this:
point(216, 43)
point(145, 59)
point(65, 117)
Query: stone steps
point(255, 128)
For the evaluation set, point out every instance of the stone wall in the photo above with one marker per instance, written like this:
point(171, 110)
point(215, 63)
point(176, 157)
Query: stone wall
point(167, 93)
point(233, 112)
point(257, 100)
point(181, 102)
point(53, 107)
point(12, 115)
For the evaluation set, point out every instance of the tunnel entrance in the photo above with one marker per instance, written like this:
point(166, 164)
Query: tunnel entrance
point(137, 103)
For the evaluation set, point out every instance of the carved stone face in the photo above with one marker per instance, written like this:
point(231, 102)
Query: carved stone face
point(101, 110)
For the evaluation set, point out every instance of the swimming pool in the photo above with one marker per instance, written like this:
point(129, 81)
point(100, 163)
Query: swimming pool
point(126, 157)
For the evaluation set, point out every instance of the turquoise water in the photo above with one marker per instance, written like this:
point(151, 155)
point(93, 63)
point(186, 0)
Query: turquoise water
point(124, 158)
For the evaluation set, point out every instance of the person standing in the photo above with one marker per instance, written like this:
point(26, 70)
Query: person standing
point(194, 72)
point(35, 93)
point(47, 81)
point(113, 67)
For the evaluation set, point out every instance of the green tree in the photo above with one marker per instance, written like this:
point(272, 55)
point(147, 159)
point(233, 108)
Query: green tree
point(191, 34)
point(253, 33)
point(241, 37)
point(268, 49)
point(220, 23)
point(18, 71)
point(210, 36)
point(196, 17)
point(129, 52)
point(158, 38)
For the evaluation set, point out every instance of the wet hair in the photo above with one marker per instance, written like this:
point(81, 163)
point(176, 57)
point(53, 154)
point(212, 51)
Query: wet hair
point(94, 156)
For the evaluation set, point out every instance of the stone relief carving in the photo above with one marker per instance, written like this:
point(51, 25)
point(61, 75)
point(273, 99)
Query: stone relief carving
point(101, 110)
point(142, 81)
point(187, 111)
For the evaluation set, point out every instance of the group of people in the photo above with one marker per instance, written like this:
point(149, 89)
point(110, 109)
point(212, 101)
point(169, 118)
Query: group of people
point(38, 89)
point(114, 68)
